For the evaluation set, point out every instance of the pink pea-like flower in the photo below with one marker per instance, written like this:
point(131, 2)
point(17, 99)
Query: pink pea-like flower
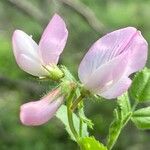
point(106, 67)
point(32, 57)
point(39, 112)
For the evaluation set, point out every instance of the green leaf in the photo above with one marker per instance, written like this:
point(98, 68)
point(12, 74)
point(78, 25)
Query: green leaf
point(124, 107)
point(121, 115)
point(141, 118)
point(90, 143)
point(62, 115)
point(124, 103)
point(140, 88)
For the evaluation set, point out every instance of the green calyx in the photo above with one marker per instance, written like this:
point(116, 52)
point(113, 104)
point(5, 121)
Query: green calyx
point(68, 82)
point(55, 73)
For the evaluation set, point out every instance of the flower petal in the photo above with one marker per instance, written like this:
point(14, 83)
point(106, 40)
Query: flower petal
point(117, 89)
point(39, 112)
point(139, 53)
point(111, 60)
point(23, 44)
point(106, 75)
point(104, 50)
point(31, 66)
point(53, 40)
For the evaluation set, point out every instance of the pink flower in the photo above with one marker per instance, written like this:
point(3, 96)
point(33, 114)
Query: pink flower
point(106, 67)
point(32, 57)
point(39, 112)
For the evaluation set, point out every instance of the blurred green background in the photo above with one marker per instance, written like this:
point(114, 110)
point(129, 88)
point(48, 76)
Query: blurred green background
point(87, 20)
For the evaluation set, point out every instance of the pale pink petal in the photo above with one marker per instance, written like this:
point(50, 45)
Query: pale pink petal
point(117, 89)
point(107, 74)
point(104, 50)
point(139, 53)
point(31, 66)
point(111, 60)
point(23, 44)
point(39, 112)
point(53, 40)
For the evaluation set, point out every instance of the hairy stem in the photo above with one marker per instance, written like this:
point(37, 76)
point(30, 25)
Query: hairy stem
point(111, 144)
point(70, 116)
point(121, 125)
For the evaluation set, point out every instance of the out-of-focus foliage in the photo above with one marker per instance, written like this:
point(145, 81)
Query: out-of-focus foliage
point(17, 87)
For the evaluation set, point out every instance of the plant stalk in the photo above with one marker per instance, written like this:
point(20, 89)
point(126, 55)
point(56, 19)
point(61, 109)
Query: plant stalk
point(70, 115)
point(121, 126)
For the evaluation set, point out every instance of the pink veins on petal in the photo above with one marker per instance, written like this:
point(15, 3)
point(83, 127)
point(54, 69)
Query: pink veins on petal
point(105, 68)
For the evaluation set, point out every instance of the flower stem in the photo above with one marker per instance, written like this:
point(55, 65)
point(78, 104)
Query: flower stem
point(111, 144)
point(76, 102)
point(70, 116)
point(71, 124)
point(120, 127)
